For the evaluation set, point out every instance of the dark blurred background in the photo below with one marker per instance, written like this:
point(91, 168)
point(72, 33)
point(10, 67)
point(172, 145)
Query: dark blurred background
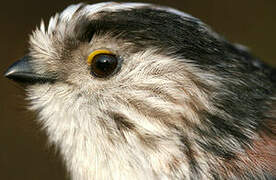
point(24, 153)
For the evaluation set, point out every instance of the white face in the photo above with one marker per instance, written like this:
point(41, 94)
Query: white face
point(119, 120)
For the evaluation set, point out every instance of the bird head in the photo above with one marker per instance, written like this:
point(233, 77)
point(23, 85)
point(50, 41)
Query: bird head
point(132, 90)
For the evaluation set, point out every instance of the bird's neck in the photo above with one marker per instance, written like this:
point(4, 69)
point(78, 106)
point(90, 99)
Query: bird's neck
point(95, 156)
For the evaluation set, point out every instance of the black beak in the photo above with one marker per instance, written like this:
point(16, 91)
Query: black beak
point(21, 71)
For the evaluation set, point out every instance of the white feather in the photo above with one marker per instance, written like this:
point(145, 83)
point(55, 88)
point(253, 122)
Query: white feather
point(93, 9)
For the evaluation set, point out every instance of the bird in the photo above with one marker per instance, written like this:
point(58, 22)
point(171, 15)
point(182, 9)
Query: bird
point(143, 91)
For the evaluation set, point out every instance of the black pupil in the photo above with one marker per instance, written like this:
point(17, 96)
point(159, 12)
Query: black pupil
point(103, 65)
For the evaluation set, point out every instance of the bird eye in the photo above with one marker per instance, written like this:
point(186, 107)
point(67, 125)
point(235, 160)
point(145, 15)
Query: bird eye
point(102, 62)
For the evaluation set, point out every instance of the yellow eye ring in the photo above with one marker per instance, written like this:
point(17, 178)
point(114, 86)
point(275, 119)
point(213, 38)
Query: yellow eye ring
point(97, 52)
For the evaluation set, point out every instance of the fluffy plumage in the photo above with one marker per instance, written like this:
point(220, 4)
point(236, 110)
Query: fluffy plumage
point(185, 104)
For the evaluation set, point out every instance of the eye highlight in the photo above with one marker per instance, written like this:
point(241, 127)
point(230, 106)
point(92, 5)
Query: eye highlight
point(102, 62)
